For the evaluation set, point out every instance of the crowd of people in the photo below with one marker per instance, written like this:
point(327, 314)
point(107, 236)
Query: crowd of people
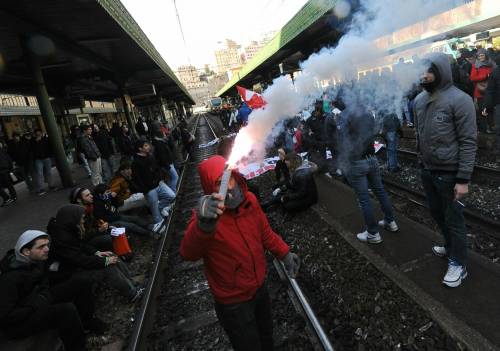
point(39, 283)
point(48, 281)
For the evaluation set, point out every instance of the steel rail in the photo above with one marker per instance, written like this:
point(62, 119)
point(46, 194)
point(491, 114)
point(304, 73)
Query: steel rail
point(470, 215)
point(137, 333)
point(479, 170)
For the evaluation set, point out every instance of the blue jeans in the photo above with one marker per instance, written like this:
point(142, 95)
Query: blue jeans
point(448, 213)
point(107, 169)
point(43, 168)
point(392, 139)
point(173, 177)
point(363, 174)
point(159, 198)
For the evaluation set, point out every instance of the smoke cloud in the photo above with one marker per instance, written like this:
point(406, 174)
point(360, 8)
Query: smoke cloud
point(354, 52)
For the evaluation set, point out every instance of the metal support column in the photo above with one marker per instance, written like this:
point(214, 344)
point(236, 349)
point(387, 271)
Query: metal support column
point(131, 125)
point(162, 111)
point(49, 119)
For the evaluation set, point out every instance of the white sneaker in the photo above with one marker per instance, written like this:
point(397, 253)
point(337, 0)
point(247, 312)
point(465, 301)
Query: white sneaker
point(338, 172)
point(166, 211)
point(157, 226)
point(454, 275)
point(391, 226)
point(370, 238)
point(439, 251)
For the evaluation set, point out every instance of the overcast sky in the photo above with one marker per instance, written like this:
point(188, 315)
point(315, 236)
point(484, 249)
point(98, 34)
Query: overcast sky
point(205, 23)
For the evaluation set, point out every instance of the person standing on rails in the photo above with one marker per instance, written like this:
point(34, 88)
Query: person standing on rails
point(446, 148)
point(231, 238)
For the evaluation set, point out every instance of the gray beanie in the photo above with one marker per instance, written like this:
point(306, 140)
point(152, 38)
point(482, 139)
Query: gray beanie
point(25, 238)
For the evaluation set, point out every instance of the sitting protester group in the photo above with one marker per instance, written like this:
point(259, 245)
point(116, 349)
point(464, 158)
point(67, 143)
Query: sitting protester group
point(47, 281)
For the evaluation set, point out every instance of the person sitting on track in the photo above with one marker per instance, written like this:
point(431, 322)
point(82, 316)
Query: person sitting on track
point(146, 174)
point(30, 305)
point(105, 209)
point(95, 231)
point(122, 185)
point(300, 193)
point(231, 238)
point(73, 255)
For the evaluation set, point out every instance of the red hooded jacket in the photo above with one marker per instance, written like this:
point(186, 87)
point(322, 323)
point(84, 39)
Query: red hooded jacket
point(233, 255)
point(479, 75)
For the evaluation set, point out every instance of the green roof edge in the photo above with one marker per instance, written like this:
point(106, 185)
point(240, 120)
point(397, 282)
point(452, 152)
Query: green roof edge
point(120, 14)
point(312, 11)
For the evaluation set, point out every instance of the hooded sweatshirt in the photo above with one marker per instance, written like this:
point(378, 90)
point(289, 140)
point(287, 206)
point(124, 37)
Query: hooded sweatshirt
point(446, 125)
point(24, 285)
point(67, 246)
point(480, 72)
point(234, 254)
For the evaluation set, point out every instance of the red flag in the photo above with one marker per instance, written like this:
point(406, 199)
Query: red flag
point(253, 99)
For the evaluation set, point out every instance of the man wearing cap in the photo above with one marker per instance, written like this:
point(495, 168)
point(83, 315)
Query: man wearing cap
point(231, 236)
point(29, 305)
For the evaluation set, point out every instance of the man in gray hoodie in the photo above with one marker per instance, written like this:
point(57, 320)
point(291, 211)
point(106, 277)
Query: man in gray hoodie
point(446, 147)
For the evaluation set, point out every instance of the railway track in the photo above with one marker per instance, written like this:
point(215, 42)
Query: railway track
point(177, 310)
point(481, 173)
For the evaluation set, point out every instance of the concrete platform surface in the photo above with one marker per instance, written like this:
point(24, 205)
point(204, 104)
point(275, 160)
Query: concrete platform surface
point(470, 313)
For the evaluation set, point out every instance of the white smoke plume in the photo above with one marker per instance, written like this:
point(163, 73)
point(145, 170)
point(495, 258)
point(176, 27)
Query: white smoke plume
point(356, 49)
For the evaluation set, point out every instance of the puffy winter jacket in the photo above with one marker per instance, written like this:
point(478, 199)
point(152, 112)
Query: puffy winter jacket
point(24, 288)
point(446, 125)
point(89, 147)
point(234, 255)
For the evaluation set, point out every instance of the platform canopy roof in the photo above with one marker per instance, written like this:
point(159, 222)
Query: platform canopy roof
point(313, 27)
point(90, 49)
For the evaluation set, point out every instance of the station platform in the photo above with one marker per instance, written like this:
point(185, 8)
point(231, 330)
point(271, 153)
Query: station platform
point(469, 313)
point(34, 211)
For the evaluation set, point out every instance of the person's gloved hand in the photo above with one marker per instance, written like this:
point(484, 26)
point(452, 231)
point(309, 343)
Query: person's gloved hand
point(292, 264)
point(210, 207)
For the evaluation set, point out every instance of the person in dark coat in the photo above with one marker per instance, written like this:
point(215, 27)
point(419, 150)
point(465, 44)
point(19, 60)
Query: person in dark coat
point(126, 143)
point(74, 255)
point(42, 154)
point(30, 304)
point(391, 131)
point(6, 167)
point(22, 155)
point(142, 128)
point(106, 208)
point(165, 157)
point(105, 145)
point(362, 170)
point(146, 175)
point(92, 154)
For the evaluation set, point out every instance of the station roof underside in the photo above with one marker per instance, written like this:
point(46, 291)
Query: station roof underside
point(87, 48)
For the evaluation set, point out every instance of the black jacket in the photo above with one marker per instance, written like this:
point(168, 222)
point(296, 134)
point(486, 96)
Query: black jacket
point(103, 141)
point(105, 208)
point(302, 188)
point(41, 148)
point(492, 95)
point(358, 134)
point(24, 288)
point(5, 161)
point(162, 152)
point(89, 148)
point(67, 247)
point(21, 151)
point(281, 171)
point(145, 173)
point(126, 144)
